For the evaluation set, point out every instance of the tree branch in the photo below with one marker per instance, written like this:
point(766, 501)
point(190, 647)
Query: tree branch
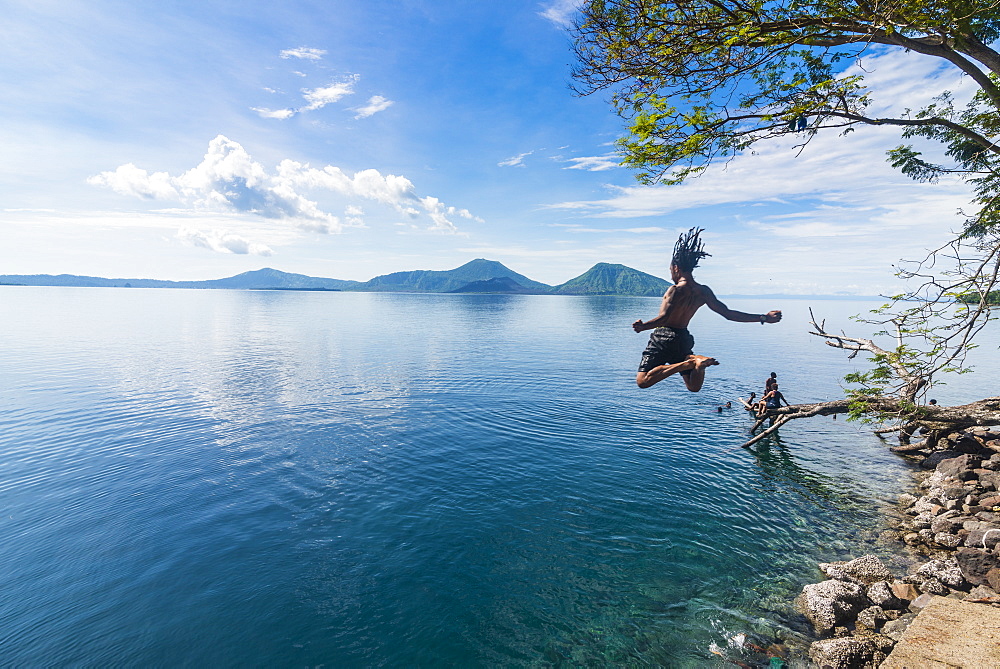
point(771, 430)
point(936, 418)
point(951, 125)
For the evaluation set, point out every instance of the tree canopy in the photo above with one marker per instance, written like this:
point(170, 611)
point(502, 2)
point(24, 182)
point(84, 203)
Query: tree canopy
point(700, 81)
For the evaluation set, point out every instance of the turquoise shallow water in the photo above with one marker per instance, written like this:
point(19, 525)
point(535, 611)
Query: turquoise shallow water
point(291, 479)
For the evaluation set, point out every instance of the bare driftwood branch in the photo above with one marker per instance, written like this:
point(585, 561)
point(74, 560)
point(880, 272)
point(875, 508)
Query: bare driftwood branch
point(771, 430)
point(936, 419)
point(912, 383)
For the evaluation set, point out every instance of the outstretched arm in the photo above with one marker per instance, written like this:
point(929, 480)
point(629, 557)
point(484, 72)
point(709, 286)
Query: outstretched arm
point(739, 316)
point(660, 318)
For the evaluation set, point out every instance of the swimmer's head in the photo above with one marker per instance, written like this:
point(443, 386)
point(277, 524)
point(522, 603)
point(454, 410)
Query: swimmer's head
point(688, 250)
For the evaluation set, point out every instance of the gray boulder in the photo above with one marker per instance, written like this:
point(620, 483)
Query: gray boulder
point(982, 592)
point(954, 492)
point(949, 522)
point(871, 617)
point(828, 603)
point(975, 564)
point(945, 571)
point(932, 460)
point(926, 507)
point(969, 444)
point(985, 538)
point(934, 587)
point(947, 540)
point(894, 628)
point(881, 594)
point(844, 653)
point(866, 570)
point(990, 481)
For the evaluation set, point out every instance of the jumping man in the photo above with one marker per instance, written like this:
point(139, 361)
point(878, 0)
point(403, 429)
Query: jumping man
point(670, 348)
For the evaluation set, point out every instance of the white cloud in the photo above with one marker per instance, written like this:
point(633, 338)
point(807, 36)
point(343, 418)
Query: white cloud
point(320, 97)
point(130, 180)
point(317, 98)
point(376, 103)
point(594, 163)
point(303, 52)
point(515, 161)
point(395, 191)
point(223, 242)
point(352, 216)
point(229, 180)
point(439, 213)
point(561, 12)
point(274, 113)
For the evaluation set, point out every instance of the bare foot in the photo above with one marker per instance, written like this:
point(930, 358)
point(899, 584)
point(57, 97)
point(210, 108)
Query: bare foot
point(701, 361)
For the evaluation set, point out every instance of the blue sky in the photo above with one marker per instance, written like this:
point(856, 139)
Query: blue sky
point(195, 140)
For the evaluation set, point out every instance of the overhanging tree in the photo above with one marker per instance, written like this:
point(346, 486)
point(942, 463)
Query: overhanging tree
point(701, 81)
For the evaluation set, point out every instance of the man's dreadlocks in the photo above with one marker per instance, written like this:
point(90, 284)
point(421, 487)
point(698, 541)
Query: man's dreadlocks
point(688, 250)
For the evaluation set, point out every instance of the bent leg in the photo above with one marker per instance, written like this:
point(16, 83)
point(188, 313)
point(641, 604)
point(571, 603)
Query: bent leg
point(657, 374)
point(696, 378)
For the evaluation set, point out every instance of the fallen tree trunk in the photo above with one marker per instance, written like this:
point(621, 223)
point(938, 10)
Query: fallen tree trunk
point(936, 421)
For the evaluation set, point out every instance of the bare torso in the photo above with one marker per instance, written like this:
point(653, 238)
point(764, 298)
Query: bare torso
point(681, 302)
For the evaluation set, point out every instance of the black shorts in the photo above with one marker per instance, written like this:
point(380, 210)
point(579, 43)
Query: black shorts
point(667, 346)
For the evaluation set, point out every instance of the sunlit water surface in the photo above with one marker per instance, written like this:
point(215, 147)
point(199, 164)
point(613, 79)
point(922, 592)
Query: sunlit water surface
point(225, 478)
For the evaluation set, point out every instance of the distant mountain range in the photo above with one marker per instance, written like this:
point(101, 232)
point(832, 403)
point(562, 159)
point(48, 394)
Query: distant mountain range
point(477, 276)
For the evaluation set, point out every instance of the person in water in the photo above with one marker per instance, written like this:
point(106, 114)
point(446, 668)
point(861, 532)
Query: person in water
point(771, 381)
point(772, 400)
point(671, 347)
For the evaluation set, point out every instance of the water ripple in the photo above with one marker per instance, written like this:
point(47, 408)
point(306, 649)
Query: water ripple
point(248, 478)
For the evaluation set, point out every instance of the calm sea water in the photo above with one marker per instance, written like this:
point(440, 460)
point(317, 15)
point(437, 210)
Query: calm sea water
point(216, 478)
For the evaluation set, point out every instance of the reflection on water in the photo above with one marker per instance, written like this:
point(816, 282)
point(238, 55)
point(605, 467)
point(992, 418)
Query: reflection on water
point(286, 478)
point(780, 471)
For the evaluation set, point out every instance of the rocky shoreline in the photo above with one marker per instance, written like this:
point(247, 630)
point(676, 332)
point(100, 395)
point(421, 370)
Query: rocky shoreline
point(953, 522)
